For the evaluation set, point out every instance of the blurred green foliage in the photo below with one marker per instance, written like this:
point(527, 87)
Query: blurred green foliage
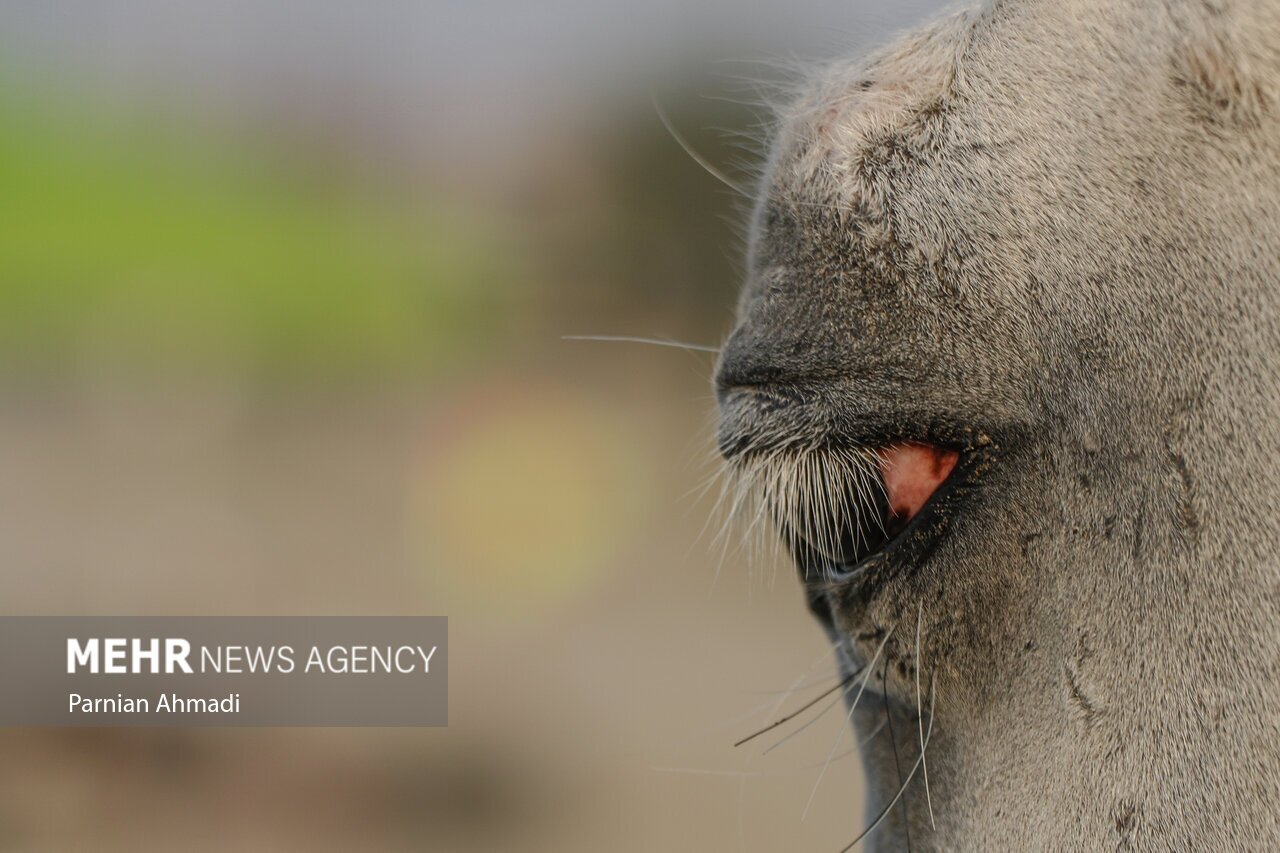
point(169, 250)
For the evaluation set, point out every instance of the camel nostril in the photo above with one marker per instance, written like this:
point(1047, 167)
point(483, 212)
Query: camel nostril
point(736, 374)
point(755, 358)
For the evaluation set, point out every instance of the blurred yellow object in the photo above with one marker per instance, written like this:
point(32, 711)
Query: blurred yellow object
point(525, 493)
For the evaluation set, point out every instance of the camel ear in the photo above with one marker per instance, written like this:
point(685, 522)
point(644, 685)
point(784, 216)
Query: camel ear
point(1221, 75)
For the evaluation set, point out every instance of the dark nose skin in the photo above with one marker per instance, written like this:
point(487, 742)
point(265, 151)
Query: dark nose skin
point(751, 359)
point(738, 372)
point(737, 368)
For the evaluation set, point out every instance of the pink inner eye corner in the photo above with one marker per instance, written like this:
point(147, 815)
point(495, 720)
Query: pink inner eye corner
point(912, 472)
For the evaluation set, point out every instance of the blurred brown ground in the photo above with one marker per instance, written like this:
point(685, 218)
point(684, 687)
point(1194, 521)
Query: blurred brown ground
point(575, 703)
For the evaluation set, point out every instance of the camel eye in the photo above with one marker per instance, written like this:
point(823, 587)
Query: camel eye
point(869, 504)
point(911, 473)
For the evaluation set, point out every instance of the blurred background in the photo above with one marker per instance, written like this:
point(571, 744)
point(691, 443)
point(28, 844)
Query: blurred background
point(283, 288)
